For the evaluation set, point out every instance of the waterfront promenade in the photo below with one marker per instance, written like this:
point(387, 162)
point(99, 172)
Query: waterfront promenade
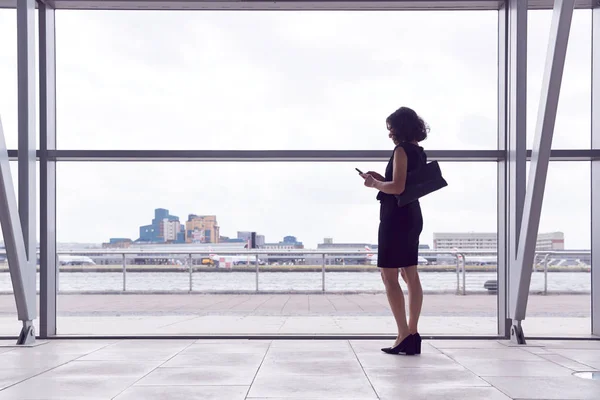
point(295, 314)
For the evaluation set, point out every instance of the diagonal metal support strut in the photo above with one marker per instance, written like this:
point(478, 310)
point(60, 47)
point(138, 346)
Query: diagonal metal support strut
point(22, 270)
point(520, 278)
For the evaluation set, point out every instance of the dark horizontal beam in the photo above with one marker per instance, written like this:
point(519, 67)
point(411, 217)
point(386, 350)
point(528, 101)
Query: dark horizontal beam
point(263, 155)
point(363, 5)
point(290, 155)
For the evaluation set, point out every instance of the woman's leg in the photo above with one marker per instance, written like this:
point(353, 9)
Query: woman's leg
point(415, 296)
point(396, 300)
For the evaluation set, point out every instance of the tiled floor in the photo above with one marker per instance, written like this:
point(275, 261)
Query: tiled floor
point(282, 369)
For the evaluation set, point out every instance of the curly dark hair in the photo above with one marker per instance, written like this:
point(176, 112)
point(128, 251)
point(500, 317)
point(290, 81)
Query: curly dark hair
point(407, 126)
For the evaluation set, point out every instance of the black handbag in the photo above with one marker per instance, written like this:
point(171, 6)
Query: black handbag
point(421, 182)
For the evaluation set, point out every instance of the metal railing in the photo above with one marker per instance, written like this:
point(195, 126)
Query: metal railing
point(460, 267)
point(460, 257)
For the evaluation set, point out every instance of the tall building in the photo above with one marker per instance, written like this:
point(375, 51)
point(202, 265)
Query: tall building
point(201, 229)
point(246, 236)
point(489, 241)
point(170, 230)
point(159, 231)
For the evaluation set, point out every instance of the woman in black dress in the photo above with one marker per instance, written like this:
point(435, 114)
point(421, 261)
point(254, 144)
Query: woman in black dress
point(400, 227)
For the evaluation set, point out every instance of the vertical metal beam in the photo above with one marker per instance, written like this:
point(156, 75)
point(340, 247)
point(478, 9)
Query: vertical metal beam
point(520, 278)
point(501, 204)
point(512, 109)
point(595, 164)
point(27, 123)
point(25, 299)
point(48, 267)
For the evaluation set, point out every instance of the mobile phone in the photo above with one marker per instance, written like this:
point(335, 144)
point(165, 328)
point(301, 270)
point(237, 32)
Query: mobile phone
point(359, 171)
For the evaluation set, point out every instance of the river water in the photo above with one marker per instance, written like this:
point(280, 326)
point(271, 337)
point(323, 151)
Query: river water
point(564, 282)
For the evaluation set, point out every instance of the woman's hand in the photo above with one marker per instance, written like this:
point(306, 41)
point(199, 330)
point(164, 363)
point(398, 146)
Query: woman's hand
point(370, 181)
point(377, 176)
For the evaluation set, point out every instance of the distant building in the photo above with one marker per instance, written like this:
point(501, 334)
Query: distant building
point(227, 239)
point(171, 230)
point(159, 231)
point(117, 243)
point(489, 241)
point(246, 236)
point(201, 229)
point(288, 243)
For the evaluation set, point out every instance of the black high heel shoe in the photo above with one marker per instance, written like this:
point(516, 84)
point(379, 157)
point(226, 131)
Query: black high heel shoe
point(407, 347)
point(417, 342)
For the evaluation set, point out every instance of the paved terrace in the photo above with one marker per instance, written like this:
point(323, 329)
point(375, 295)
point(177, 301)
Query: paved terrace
point(288, 369)
point(289, 314)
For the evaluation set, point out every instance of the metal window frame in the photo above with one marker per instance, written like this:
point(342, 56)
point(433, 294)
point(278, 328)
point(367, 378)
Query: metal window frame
point(595, 173)
point(512, 109)
point(508, 155)
point(233, 5)
point(48, 257)
point(499, 155)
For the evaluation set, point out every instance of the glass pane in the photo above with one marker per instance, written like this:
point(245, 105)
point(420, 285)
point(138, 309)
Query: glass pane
point(560, 300)
point(573, 118)
point(9, 325)
point(8, 76)
point(302, 207)
point(154, 80)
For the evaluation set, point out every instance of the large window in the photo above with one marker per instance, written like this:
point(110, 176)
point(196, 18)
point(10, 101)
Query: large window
point(8, 76)
point(150, 247)
point(573, 119)
point(168, 80)
point(8, 117)
point(561, 280)
point(308, 201)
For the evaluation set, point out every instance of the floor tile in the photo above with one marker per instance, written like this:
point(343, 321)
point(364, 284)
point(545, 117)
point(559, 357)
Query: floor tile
point(587, 357)
point(74, 347)
point(381, 359)
point(228, 347)
point(563, 388)
point(198, 359)
point(398, 378)
point(9, 377)
point(567, 362)
point(23, 358)
point(313, 355)
point(233, 341)
point(466, 344)
point(205, 375)
point(311, 345)
point(184, 393)
point(306, 387)
point(491, 354)
point(309, 367)
point(66, 388)
point(568, 344)
point(106, 369)
point(514, 368)
point(435, 392)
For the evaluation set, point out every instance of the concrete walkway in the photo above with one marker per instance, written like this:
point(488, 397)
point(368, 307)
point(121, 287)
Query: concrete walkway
point(285, 314)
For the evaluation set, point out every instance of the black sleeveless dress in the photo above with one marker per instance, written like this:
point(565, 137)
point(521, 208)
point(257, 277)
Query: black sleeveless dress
point(400, 227)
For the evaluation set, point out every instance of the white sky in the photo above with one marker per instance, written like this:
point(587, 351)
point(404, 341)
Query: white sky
point(290, 80)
